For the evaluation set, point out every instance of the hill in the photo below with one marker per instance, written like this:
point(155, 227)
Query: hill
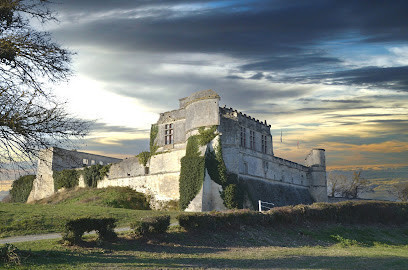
point(117, 197)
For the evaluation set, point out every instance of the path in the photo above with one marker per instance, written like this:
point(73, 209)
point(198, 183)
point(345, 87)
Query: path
point(37, 237)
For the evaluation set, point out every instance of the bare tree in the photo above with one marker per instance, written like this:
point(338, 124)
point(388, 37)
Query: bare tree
point(400, 190)
point(30, 116)
point(335, 183)
point(348, 187)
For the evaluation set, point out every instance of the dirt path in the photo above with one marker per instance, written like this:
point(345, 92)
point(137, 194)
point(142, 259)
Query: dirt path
point(37, 237)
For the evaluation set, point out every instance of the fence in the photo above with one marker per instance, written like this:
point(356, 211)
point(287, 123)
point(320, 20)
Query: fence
point(265, 206)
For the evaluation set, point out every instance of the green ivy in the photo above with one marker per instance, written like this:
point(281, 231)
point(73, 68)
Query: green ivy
point(191, 173)
point(94, 173)
point(21, 188)
point(207, 135)
point(154, 130)
point(65, 179)
point(232, 193)
point(143, 157)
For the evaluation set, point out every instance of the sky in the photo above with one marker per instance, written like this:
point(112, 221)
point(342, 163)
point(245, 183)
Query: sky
point(328, 74)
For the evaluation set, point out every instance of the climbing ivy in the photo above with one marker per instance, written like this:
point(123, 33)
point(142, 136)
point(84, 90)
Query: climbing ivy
point(193, 168)
point(154, 130)
point(143, 157)
point(207, 135)
point(94, 173)
point(191, 173)
point(66, 178)
point(21, 188)
point(232, 193)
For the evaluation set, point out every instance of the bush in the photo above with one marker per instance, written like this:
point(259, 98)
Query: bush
point(94, 173)
point(9, 254)
point(215, 221)
point(74, 229)
point(151, 225)
point(21, 188)
point(358, 212)
point(143, 158)
point(65, 179)
point(125, 197)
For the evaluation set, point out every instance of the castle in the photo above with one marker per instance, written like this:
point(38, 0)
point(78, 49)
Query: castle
point(247, 151)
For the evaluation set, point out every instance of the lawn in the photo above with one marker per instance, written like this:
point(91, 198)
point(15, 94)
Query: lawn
point(327, 247)
point(23, 219)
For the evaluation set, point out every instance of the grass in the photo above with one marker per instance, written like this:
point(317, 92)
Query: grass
point(119, 197)
point(23, 219)
point(328, 247)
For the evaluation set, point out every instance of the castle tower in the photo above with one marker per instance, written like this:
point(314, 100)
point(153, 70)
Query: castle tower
point(316, 160)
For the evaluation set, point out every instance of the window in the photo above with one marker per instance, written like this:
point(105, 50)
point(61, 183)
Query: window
point(264, 144)
point(168, 134)
point(243, 137)
point(252, 139)
point(100, 162)
point(92, 162)
point(85, 161)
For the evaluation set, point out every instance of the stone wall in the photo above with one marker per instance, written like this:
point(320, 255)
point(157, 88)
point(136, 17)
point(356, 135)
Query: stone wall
point(57, 159)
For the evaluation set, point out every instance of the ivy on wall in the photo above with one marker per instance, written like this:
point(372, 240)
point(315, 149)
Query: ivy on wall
point(193, 167)
point(154, 130)
point(94, 173)
point(21, 188)
point(232, 192)
point(207, 135)
point(70, 178)
point(143, 158)
point(191, 173)
point(66, 178)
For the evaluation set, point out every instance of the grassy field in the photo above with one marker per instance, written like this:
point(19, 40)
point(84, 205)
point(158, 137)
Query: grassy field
point(323, 247)
point(23, 219)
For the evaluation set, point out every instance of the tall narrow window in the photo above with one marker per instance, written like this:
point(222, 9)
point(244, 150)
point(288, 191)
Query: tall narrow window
point(243, 137)
point(252, 139)
point(264, 144)
point(168, 134)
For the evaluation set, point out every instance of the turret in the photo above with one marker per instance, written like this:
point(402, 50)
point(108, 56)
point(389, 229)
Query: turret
point(316, 161)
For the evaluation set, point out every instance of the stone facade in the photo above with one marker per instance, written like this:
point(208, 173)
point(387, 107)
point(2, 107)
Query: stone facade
point(247, 151)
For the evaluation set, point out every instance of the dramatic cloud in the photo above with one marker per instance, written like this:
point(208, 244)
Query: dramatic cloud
point(331, 73)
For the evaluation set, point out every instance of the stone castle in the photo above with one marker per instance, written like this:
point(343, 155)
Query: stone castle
point(247, 151)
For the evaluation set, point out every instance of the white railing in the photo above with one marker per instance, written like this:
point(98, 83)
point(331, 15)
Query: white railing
point(265, 206)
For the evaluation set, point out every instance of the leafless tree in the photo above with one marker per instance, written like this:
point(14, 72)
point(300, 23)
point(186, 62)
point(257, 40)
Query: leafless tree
point(348, 187)
point(400, 191)
point(30, 116)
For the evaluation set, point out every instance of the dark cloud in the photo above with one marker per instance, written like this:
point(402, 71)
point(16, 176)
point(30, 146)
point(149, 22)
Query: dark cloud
point(102, 127)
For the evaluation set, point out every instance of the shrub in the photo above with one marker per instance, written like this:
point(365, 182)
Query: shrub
point(125, 197)
point(21, 188)
point(65, 179)
point(358, 212)
point(143, 157)
point(151, 225)
point(94, 173)
point(9, 254)
point(214, 221)
point(74, 229)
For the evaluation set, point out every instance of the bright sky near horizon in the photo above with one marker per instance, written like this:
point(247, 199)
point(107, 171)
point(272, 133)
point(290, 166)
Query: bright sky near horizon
point(329, 74)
